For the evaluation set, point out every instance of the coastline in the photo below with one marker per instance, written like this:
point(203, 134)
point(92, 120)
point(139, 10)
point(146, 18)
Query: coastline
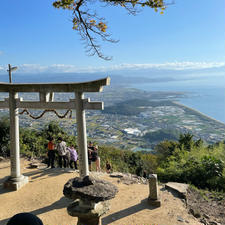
point(206, 98)
point(198, 112)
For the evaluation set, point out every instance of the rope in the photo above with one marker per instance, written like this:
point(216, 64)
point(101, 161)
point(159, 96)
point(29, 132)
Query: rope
point(47, 110)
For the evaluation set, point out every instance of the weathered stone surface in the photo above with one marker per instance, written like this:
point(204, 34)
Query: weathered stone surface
point(204, 221)
point(206, 216)
point(153, 198)
point(88, 213)
point(89, 189)
point(195, 212)
point(127, 178)
point(179, 188)
point(153, 187)
point(38, 165)
point(180, 219)
point(213, 223)
point(87, 209)
point(15, 184)
point(156, 203)
point(90, 195)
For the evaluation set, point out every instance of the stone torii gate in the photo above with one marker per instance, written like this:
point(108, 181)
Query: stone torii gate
point(46, 101)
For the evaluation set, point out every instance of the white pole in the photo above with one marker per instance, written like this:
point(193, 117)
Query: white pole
point(14, 137)
point(81, 135)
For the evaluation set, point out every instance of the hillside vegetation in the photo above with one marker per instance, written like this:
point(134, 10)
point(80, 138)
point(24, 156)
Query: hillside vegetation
point(163, 134)
point(186, 160)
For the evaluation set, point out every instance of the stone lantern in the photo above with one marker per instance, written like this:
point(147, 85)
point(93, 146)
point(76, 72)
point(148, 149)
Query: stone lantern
point(90, 197)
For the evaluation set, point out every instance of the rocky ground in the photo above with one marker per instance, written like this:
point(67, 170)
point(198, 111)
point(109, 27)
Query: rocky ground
point(208, 207)
point(43, 197)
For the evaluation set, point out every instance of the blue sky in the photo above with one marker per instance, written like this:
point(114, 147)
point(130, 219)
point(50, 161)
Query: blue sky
point(37, 37)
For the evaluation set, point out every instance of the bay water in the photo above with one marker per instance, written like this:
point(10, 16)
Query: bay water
point(204, 95)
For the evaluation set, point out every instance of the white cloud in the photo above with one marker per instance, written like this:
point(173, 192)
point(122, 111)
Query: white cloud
point(1, 52)
point(55, 68)
point(162, 66)
point(171, 66)
point(62, 68)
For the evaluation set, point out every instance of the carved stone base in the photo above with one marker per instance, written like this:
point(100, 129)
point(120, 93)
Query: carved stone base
point(156, 203)
point(15, 184)
point(88, 213)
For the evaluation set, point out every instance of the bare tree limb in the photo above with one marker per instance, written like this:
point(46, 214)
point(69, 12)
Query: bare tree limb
point(92, 29)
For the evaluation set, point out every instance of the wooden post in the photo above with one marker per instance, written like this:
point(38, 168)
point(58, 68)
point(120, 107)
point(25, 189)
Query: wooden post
point(10, 74)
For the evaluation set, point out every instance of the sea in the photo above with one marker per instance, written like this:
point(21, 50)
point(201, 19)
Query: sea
point(204, 95)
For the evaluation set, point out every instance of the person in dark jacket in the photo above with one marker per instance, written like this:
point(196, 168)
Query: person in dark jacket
point(108, 167)
point(90, 148)
point(25, 219)
point(95, 158)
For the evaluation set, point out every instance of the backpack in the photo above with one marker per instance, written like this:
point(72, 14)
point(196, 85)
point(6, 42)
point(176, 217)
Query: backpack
point(61, 148)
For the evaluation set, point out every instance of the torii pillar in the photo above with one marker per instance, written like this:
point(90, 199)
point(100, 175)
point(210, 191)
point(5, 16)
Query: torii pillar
point(81, 135)
point(16, 180)
point(46, 90)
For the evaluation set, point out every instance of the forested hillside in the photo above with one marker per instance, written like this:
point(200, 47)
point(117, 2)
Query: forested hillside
point(186, 160)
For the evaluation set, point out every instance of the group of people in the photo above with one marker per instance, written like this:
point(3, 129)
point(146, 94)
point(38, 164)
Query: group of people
point(67, 156)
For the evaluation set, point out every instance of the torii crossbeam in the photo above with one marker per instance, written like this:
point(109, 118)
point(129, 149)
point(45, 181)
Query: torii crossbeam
point(46, 101)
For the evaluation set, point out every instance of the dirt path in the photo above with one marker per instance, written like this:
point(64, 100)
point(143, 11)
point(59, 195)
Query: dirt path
point(43, 197)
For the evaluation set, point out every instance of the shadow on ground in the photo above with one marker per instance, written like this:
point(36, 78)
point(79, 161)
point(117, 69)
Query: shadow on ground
point(64, 202)
point(127, 212)
point(47, 171)
point(2, 189)
point(35, 174)
point(175, 194)
point(61, 203)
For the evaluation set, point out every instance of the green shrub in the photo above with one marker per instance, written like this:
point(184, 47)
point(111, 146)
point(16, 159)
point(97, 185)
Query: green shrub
point(197, 166)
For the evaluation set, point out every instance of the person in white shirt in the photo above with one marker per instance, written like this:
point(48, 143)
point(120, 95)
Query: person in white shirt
point(61, 148)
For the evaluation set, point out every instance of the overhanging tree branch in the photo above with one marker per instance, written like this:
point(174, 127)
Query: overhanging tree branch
point(92, 29)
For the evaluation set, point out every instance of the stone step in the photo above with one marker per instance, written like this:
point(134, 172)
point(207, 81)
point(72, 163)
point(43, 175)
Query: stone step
point(178, 188)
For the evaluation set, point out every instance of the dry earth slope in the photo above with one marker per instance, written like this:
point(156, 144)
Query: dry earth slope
point(43, 197)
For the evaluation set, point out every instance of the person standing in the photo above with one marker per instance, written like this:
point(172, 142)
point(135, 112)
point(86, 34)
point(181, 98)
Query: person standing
point(61, 148)
point(90, 150)
point(108, 167)
point(95, 158)
point(98, 167)
point(73, 157)
point(51, 153)
point(67, 157)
